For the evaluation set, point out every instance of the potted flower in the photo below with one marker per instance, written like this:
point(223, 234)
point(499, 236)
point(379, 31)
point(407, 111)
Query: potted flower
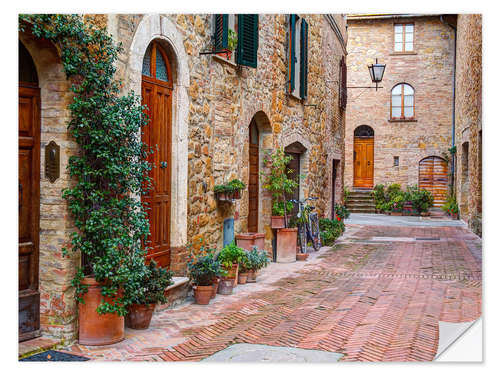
point(229, 258)
point(221, 193)
point(257, 259)
point(232, 42)
point(144, 291)
point(202, 272)
point(235, 187)
point(341, 212)
point(229, 191)
point(243, 268)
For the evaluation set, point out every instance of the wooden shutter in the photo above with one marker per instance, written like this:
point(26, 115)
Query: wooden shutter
point(343, 84)
point(291, 56)
point(220, 32)
point(248, 39)
point(304, 35)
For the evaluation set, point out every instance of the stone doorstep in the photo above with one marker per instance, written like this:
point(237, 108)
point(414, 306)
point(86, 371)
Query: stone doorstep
point(176, 293)
point(37, 345)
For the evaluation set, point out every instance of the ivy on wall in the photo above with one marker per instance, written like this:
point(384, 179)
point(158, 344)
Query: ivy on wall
point(111, 168)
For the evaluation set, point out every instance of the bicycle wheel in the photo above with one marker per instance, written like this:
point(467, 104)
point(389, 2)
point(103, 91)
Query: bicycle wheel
point(314, 228)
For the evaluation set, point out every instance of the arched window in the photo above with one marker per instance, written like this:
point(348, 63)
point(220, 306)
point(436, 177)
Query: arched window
point(155, 64)
point(402, 102)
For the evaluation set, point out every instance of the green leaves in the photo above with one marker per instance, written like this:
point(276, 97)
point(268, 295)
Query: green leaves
point(112, 164)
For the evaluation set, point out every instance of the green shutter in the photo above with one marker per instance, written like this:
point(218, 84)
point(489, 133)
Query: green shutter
point(304, 29)
point(292, 58)
point(248, 40)
point(220, 32)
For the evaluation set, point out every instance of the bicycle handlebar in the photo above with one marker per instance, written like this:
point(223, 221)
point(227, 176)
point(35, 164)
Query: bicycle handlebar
point(303, 201)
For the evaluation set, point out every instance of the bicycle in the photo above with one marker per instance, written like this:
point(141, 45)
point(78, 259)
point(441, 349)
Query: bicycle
point(308, 225)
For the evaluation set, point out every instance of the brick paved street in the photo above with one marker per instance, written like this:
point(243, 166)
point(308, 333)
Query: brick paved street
point(377, 295)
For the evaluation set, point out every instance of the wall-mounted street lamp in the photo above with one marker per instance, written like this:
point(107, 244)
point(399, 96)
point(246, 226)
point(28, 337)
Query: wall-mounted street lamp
point(376, 73)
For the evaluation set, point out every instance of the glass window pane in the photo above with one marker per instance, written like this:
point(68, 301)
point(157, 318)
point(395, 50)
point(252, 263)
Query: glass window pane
point(396, 100)
point(146, 63)
point(398, 28)
point(409, 112)
point(396, 90)
point(398, 38)
point(409, 47)
point(398, 47)
point(161, 69)
point(396, 112)
point(409, 28)
point(409, 37)
point(408, 100)
point(408, 90)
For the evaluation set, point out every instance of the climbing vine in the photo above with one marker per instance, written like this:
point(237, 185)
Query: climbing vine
point(111, 168)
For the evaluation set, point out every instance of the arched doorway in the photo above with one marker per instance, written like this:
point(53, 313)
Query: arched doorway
point(296, 150)
point(156, 91)
point(253, 177)
point(363, 156)
point(29, 196)
point(433, 176)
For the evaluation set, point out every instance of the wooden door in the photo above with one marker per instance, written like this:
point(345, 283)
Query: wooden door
point(157, 96)
point(294, 166)
point(433, 176)
point(334, 182)
point(29, 210)
point(253, 180)
point(363, 162)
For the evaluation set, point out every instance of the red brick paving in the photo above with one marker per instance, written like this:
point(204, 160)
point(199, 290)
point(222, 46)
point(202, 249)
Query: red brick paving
point(370, 300)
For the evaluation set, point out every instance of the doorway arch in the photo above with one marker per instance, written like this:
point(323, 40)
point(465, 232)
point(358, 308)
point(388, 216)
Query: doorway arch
point(363, 157)
point(433, 176)
point(156, 89)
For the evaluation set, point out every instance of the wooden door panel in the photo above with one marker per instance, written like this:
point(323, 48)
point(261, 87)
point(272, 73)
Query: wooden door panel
point(363, 162)
point(157, 134)
point(433, 176)
point(253, 188)
point(28, 211)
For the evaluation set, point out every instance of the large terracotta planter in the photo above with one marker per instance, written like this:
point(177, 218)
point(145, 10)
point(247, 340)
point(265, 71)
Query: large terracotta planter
point(277, 222)
point(242, 277)
point(225, 286)
point(252, 276)
point(96, 329)
point(286, 245)
point(139, 316)
point(203, 294)
point(248, 240)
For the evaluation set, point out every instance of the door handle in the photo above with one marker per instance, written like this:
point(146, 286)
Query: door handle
point(163, 164)
point(368, 163)
point(20, 195)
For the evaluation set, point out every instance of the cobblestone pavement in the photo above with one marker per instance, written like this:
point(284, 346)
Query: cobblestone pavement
point(377, 295)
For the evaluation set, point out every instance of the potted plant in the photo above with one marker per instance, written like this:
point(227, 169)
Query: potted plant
point(244, 268)
point(203, 269)
point(144, 291)
point(232, 42)
point(229, 258)
point(236, 186)
point(258, 259)
point(278, 211)
point(229, 191)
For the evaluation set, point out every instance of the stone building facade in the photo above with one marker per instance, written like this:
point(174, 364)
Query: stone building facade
point(468, 120)
point(213, 102)
point(424, 66)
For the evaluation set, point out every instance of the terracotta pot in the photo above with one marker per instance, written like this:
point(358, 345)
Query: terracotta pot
point(96, 329)
point(139, 316)
point(242, 277)
point(302, 256)
point(286, 245)
point(425, 213)
point(225, 286)
point(237, 194)
point(202, 294)
point(454, 216)
point(248, 240)
point(395, 213)
point(252, 276)
point(215, 285)
point(277, 222)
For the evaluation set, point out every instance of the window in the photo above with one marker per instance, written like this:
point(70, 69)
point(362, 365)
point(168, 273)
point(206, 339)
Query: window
point(396, 161)
point(297, 56)
point(343, 84)
point(402, 102)
point(403, 37)
point(155, 64)
point(246, 28)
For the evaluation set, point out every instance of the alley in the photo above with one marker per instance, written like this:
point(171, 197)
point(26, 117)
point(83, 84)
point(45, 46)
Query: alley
point(376, 295)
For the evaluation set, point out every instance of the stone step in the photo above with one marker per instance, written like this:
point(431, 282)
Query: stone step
point(362, 211)
point(368, 200)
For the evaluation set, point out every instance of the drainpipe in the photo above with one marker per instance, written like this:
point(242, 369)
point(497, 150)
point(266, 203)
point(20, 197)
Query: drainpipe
point(453, 109)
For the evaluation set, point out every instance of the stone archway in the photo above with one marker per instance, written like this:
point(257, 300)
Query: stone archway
point(163, 31)
point(57, 304)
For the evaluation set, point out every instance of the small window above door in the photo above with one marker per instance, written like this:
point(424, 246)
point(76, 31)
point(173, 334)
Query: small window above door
point(155, 65)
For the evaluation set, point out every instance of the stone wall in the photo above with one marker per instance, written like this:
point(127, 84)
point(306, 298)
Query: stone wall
point(429, 70)
point(222, 100)
point(468, 123)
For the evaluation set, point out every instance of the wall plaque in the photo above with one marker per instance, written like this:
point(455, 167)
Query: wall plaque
point(52, 161)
